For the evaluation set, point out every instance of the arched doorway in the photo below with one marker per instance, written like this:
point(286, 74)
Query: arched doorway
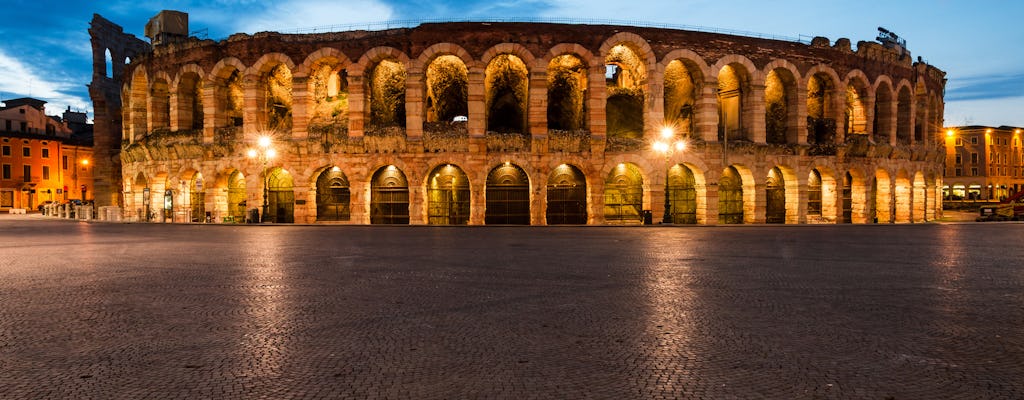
point(142, 198)
point(567, 196)
point(682, 195)
point(508, 196)
point(847, 201)
point(814, 196)
point(236, 197)
point(197, 198)
point(730, 197)
point(280, 197)
point(448, 196)
point(389, 197)
point(624, 195)
point(775, 197)
point(333, 196)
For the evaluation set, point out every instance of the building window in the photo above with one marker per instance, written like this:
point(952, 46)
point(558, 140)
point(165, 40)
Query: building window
point(959, 172)
point(26, 151)
point(974, 158)
point(24, 126)
point(7, 151)
point(959, 159)
point(46, 153)
point(8, 124)
point(7, 171)
point(65, 161)
point(28, 173)
point(46, 173)
point(959, 142)
point(974, 140)
point(974, 172)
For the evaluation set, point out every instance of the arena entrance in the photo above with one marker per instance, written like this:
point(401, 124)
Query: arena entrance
point(847, 201)
point(389, 197)
point(730, 197)
point(197, 198)
point(682, 195)
point(775, 195)
point(448, 196)
point(280, 197)
point(508, 196)
point(333, 196)
point(624, 195)
point(567, 196)
point(236, 197)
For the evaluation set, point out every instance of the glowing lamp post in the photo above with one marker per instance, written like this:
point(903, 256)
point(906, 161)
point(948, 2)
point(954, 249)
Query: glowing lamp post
point(264, 153)
point(668, 145)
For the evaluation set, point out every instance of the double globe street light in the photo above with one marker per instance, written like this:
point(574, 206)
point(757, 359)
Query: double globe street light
point(264, 153)
point(668, 145)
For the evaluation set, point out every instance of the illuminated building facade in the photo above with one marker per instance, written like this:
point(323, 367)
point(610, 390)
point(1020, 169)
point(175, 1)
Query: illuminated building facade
point(983, 163)
point(521, 123)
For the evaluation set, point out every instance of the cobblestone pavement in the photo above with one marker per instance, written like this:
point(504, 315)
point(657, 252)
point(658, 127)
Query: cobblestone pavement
point(135, 311)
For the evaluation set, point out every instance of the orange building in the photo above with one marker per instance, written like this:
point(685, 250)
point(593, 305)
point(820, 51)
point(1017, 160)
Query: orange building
point(41, 158)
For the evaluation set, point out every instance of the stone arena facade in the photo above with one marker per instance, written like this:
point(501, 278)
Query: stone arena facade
point(524, 123)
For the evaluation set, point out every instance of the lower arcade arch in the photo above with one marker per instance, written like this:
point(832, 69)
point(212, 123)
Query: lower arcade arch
point(682, 195)
point(846, 202)
point(333, 196)
point(280, 197)
point(730, 197)
point(814, 195)
point(624, 195)
point(775, 197)
point(197, 198)
point(448, 196)
point(236, 196)
point(566, 196)
point(389, 197)
point(508, 196)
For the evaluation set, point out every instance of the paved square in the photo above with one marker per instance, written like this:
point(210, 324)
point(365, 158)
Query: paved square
point(94, 310)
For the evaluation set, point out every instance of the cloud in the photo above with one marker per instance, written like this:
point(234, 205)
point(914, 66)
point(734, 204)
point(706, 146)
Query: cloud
point(289, 15)
point(998, 86)
point(990, 112)
point(17, 79)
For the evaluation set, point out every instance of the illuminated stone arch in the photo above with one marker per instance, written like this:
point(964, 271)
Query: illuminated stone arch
point(919, 198)
point(904, 112)
point(782, 195)
point(629, 63)
point(226, 79)
point(448, 195)
point(566, 194)
point(860, 197)
point(684, 75)
point(830, 190)
point(824, 105)
point(333, 194)
point(137, 105)
point(903, 195)
point(383, 71)
point(389, 196)
point(506, 88)
point(884, 121)
point(159, 107)
point(327, 100)
point(883, 196)
point(858, 103)
point(507, 195)
point(273, 76)
point(783, 107)
point(735, 75)
point(568, 83)
point(187, 88)
point(624, 194)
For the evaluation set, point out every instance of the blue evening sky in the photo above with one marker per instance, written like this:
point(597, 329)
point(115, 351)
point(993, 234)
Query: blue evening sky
point(45, 51)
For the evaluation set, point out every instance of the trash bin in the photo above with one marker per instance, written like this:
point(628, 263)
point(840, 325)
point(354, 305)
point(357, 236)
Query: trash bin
point(648, 217)
point(254, 216)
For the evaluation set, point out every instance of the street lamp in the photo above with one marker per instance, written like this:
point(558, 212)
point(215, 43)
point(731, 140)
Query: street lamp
point(667, 145)
point(264, 153)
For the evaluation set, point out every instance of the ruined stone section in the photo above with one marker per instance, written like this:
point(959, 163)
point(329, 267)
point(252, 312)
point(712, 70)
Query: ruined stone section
point(834, 135)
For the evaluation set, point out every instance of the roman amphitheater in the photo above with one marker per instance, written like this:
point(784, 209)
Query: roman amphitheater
point(516, 123)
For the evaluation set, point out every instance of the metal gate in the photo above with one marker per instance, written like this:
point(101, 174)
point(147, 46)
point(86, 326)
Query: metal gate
point(236, 198)
point(847, 199)
point(624, 195)
point(448, 196)
point(814, 194)
point(280, 197)
point(775, 195)
point(730, 197)
point(567, 196)
point(333, 196)
point(197, 199)
point(682, 194)
point(508, 196)
point(389, 197)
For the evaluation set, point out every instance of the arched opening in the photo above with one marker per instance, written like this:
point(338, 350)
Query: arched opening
point(847, 199)
point(161, 105)
point(856, 113)
point(680, 97)
point(197, 198)
point(883, 113)
point(277, 96)
point(280, 197)
point(190, 102)
point(108, 70)
point(732, 83)
point(333, 196)
point(682, 195)
point(506, 90)
point(231, 100)
point(814, 196)
point(567, 93)
point(780, 107)
point(730, 197)
point(328, 85)
point(625, 77)
point(775, 197)
point(821, 126)
point(389, 197)
point(903, 197)
point(387, 95)
point(448, 196)
point(624, 195)
point(903, 113)
point(447, 85)
point(883, 197)
point(140, 192)
point(508, 196)
point(567, 196)
point(236, 196)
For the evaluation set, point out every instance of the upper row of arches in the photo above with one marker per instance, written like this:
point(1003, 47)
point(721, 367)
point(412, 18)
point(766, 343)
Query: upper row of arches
point(623, 91)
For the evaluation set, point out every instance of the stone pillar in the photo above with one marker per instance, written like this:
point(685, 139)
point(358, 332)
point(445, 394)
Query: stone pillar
point(175, 109)
point(356, 108)
point(596, 118)
point(801, 199)
point(756, 213)
point(414, 97)
point(211, 118)
point(839, 104)
point(869, 114)
point(801, 117)
point(301, 103)
point(417, 206)
point(252, 117)
point(756, 128)
point(477, 202)
point(537, 109)
point(538, 206)
point(711, 202)
point(595, 209)
point(654, 109)
point(477, 124)
point(706, 113)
